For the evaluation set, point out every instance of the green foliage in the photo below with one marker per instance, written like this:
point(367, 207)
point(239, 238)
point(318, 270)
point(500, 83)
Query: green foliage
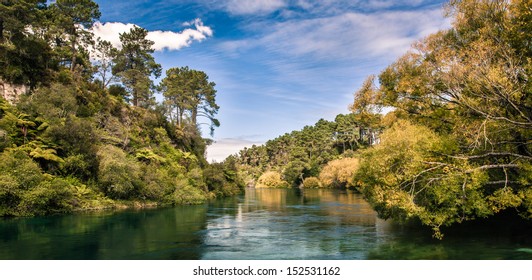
point(303, 153)
point(51, 196)
point(73, 17)
point(24, 171)
point(25, 57)
point(187, 194)
point(293, 173)
point(25, 190)
point(157, 182)
point(73, 142)
point(118, 175)
point(189, 95)
point(222, 179)
point(54, 103)
point(134, 64)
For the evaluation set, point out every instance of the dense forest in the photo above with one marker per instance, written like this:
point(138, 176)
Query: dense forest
point(88, 133)
point(456, 144)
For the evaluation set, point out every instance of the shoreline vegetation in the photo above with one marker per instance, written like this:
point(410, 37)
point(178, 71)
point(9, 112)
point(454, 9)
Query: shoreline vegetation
point(88, 132)
point(453, 145)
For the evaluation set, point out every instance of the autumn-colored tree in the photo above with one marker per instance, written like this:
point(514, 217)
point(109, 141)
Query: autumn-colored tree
point(339, 173)
point(271, 179)
point(467, 93)
point(366, 110)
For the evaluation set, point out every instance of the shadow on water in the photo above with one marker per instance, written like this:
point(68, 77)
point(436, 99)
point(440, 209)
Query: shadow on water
point(262, 224)
point(505, 236)
point(168, 233)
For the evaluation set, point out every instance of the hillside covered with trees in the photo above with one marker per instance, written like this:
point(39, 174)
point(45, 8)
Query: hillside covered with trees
point(456, 145)
point(89, 134)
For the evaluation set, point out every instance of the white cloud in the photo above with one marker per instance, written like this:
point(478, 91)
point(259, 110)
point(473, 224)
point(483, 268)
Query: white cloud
point(248, 7)
point(169, 40)
point(225, 147)
point(109, 31)
point(349, 35)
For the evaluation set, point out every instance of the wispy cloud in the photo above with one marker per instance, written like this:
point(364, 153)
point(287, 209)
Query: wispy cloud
point(169, 40)
point(253, 7)
point(347, 35)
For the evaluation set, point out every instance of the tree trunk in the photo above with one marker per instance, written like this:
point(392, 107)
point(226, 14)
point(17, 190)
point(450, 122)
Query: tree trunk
point(74, 53)
point(180, 117)
point(1, 30)
point(194, 115)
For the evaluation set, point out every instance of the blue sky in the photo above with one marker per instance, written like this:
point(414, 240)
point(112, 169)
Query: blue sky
point(278, 65)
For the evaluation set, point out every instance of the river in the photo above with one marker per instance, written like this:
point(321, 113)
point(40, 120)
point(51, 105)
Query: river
point(260, 224)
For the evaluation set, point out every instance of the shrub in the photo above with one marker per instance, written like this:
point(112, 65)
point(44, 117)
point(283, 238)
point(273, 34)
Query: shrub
point(187, 194)
point(119, 176)
point(311, 183)
point(271, 179)
point(54, 196)
point(339, 173)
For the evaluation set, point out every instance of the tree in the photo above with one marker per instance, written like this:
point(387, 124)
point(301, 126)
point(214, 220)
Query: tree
point(339, 173)
point(74, 17)
point(16, 15)
point(366, 108)
point(466, 93)
point(25, 58)
point(469, 81)
point(188, 93)
point(134, 64)
point(105, 55)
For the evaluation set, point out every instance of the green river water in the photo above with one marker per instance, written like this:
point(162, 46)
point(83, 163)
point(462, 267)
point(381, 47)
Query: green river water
point(260, 224)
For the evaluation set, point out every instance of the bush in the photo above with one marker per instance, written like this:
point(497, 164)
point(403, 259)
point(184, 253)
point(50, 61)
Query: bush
point(339, 173)
point(222, 179)
point(157, 182)
point(311, 183)
point(118, 175)
point(26, 191)
point(187, 194)
point(21, 167)
point(271, 179)
point(54, 196)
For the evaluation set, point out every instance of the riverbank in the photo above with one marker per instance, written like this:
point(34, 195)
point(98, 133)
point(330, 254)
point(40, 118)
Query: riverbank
point(258, 224)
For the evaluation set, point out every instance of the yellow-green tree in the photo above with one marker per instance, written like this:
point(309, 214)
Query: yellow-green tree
point(466, 91)
point(339, 173)
point(271, 179)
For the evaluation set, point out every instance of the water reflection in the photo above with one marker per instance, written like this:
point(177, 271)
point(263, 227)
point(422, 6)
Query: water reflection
point(148, 234)
point(293, 224)
point(262, 224)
